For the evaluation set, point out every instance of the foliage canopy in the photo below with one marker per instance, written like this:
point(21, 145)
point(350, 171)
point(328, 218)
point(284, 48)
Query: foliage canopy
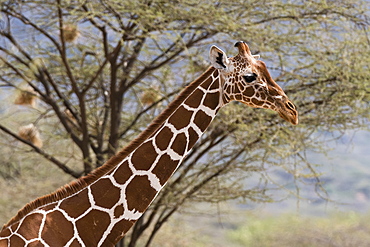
point(101, 70)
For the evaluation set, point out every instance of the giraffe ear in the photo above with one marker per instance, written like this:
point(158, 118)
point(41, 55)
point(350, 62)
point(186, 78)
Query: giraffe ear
point(218, 58)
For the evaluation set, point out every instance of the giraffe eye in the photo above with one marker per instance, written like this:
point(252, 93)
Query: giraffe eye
point(250, 77)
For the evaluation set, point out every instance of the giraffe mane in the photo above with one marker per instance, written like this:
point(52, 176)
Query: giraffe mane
point(77, 185)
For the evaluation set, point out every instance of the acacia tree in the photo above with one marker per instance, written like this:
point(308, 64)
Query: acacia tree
point(101, 70)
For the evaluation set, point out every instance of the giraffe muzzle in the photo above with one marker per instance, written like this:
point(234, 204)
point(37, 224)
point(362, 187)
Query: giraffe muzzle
point(289, 113)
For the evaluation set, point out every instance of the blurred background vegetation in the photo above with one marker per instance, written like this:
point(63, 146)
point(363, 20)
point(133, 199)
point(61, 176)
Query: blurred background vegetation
point(80, 79)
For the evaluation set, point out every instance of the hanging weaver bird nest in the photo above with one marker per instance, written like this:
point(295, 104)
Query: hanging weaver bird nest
point(70, 33)
point(149, 96)
point(26, 97)
point(30, 133)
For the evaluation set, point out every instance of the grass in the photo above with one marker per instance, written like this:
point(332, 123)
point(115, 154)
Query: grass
point(345, 229)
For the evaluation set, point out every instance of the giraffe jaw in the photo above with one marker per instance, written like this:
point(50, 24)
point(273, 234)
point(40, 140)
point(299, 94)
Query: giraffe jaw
point(286, 109)
point(289, 117)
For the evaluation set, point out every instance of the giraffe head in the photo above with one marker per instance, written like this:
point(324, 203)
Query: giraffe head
point(246, 79)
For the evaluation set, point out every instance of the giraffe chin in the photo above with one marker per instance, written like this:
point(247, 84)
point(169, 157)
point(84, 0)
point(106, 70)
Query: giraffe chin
point(289, 117)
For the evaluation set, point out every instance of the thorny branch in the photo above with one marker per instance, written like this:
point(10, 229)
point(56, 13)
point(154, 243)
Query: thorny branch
point(51, 158)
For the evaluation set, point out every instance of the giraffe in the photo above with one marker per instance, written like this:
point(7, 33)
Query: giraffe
point(99, 209)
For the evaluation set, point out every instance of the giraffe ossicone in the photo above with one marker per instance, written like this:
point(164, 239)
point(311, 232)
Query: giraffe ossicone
point(99, 209)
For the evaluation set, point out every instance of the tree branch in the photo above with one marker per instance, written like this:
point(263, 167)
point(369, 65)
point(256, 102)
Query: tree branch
point(138, 116)
point(26, 21)
point(49, 157)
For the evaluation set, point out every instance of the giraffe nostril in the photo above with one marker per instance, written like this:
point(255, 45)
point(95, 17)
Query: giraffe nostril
point(290, 105)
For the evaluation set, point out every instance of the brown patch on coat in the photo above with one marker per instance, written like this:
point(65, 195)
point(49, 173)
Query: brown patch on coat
point(139, 193)
point(193, 137)
point(77, 204)
point(180, 118)
point(163, 138)
point(27, 229)
point(16, 241)
point(164, 169)
point(92, 226)
point(123, 173)
point(202, 120)
point(212, 100)
point(58, 230)
point(144, 156)
point(117, 232)
point(179, 144)
point(105, 194)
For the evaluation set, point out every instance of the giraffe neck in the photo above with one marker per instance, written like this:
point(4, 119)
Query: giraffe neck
point(102, 212)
